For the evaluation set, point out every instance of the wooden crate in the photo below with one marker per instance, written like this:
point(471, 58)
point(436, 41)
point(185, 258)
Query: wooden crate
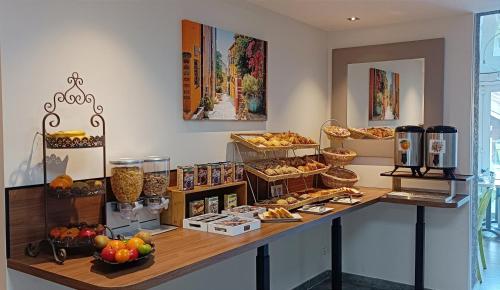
point(179, 200)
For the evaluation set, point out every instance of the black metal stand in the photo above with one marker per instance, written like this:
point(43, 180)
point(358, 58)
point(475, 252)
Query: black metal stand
point(336, 254)
point(263, 268)
point(419, 248)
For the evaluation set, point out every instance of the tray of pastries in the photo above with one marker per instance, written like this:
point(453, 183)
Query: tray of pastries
point(372, 133)
point(336, 132)
point(298, 199)
point(279, 215)
point(274, 141)
point(286, 168)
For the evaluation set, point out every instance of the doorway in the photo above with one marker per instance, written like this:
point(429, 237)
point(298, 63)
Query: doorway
point(487, 261)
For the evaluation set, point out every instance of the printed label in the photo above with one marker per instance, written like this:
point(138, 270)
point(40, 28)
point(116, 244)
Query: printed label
point(404, 145)
point(437, 146)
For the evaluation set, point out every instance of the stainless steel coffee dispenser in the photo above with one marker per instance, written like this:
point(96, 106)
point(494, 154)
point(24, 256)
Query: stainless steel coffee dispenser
point(409, 148)
point(441, 149)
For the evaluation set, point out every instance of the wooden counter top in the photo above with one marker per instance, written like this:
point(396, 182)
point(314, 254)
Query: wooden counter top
point(178, 252)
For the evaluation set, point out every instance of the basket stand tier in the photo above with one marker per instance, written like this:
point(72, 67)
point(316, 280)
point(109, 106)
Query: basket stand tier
point(74, 95)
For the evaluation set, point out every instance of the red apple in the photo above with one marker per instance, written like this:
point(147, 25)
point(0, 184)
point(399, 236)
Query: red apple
point(134, 254)
point(108, 254)
point(55, 233)
point(100, 229)
point(87, 233)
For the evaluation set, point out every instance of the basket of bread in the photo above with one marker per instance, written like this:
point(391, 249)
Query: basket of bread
point(372, 133)
point(274, 141)
point(336, 132)
point(338, 156)
point(337, 177)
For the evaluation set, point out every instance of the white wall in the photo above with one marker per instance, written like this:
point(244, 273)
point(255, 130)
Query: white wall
point(129, 55)
point(385, 232)
point(411, 92)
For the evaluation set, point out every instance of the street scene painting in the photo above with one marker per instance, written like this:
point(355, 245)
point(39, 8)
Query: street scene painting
point(223, 74)
point(384, 95)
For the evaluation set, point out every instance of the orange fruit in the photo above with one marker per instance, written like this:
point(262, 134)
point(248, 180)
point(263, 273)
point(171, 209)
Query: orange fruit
point(134, 243)
point(62, 181)
point(122, 256)
point(116, 245)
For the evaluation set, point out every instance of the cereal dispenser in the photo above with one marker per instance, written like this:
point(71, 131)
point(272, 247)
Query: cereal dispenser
point(127, 177)
point(156, 181)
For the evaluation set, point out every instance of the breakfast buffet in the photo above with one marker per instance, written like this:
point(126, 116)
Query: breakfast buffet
point(280, 178)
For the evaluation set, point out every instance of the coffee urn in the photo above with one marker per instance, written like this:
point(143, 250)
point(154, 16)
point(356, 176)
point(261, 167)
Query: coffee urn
point(441, 149)
point(409, 148)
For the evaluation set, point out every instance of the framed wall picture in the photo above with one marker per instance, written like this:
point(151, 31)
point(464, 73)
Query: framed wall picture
point(223, 74)
point(383, 95)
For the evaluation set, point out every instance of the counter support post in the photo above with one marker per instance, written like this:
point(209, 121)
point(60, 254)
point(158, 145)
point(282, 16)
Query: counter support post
point(263, 268)
point(419, 248)
point(336, 254)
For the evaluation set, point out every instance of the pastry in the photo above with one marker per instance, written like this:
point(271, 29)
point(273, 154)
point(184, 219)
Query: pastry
point(282, 202)
point(291, 200)
point(304, 196)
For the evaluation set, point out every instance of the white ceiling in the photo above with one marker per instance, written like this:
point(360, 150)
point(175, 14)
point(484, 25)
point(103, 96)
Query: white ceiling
point(331, 15)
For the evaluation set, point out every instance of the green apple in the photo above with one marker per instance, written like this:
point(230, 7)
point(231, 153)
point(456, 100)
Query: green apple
point(101, 241)
point(145, 249)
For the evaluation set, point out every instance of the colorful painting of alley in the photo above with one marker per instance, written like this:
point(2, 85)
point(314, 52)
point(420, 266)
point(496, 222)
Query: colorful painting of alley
point(224, 74)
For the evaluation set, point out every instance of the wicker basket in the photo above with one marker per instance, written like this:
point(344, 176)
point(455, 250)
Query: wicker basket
point(339, 177)
point(337, 159)
point(332, 136)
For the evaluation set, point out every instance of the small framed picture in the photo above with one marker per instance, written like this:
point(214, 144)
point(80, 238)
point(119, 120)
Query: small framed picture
point(276, 190)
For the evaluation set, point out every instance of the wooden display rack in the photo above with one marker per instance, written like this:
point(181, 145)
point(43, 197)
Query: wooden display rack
point(179, 200)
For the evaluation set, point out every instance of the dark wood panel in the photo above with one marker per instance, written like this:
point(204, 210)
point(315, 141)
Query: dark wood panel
point(27, 215)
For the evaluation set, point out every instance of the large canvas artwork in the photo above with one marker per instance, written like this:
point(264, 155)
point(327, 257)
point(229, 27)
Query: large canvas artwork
point(384, 95)
point(223, 74)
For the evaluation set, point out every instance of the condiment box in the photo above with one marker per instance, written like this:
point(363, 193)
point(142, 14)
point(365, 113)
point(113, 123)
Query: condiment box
point(196, 208)
point(230, 200)
point(185, 177)
point(200, 223)
point(202, 174)
point(233, 225)
point(215, 172)
point(239, 170)
point(227, 172)
point(212, 204)
point(245, 211)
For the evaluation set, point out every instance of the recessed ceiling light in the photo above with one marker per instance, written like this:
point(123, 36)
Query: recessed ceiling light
point(354, 18)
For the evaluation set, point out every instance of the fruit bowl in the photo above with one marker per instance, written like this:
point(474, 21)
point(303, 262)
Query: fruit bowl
point(122, 252)
point(97, 257)
point(75, 235)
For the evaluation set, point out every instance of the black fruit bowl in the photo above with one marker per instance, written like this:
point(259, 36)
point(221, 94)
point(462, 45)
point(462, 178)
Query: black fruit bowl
point(97, 257)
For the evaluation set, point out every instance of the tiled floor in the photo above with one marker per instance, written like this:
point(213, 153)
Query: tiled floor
point(491, 276)
point(345, 286)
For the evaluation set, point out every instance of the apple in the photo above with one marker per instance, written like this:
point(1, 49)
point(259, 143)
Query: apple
point(108, 254)
point(145, 236)
point(101, 241)
point(100, 229)
point(145, 249)
point(134, 254)
point(55, 233)
point(87, 233)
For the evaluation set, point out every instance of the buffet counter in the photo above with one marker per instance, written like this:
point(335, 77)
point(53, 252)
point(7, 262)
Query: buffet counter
point(178, 253)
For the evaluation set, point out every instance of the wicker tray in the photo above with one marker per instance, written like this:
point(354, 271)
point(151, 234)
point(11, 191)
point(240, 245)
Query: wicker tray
point(337, 159)
point(335, 137)
point(339, 177)
point(314, 172)
point(270, 178)
point(242, 139)
point(357, 133)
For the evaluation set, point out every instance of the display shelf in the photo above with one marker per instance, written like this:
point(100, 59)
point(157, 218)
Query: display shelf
point(239, 137)
point(455, 202)
point(203, 188)
point(74, 143)
point(179, 199)
point(72, 96)
point(428, 176)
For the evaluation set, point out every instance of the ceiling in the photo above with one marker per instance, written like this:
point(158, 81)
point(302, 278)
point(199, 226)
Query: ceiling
point(330, 15)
